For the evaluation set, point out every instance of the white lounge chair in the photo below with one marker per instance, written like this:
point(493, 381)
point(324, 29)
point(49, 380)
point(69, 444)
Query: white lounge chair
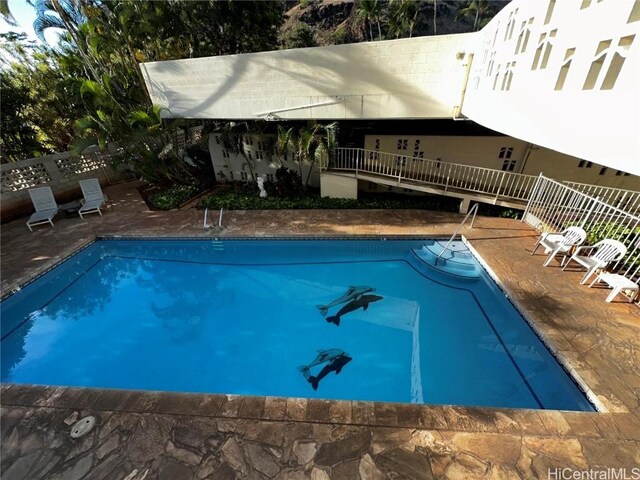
point(618, 283)
point(606, 251)
point(45, 205)
point(93, 199)
point(560, 243)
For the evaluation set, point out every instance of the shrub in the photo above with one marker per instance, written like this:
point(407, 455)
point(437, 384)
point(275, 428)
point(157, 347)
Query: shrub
point(298, 36)
point(245, 197)
point(173, 197)
point(288, 183)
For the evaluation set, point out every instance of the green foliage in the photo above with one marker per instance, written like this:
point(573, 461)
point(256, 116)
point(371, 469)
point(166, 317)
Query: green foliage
point(304, 3)
point(245, 197)
point(19, 138)
point(173, 197)
point(341, 35)
point(288, 183)
point(300, 35)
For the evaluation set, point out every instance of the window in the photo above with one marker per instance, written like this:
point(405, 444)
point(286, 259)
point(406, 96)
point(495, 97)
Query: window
point(508, 76)
point(259, 155)
point(416, 146)
point(505, 152)
point(244, 176)
point(543, 52)
point(225, 153)
point(231, 175)
point(401, 161)
point(564, 70)
point(248, 140)
point(270, 177)
point(374, 156)
point(585, 164)
point(249, 156)
point(217, 140)
point(552, 5)
point(403, 144)
point(603, 171)
point(508, 165)
point(417, 155)
point(377, 144)
point(619, 173)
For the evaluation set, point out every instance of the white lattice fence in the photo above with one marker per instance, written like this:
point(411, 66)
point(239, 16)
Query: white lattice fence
point(25, 176)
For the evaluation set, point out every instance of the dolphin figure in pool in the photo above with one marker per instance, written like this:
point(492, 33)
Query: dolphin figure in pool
point(335, 361)
point(361, 302)
point(352, 293)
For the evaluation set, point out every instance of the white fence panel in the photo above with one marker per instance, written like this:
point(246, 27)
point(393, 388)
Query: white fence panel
point(554, 206)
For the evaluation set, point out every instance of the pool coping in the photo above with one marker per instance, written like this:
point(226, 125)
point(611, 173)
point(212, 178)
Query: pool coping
point(384, 414)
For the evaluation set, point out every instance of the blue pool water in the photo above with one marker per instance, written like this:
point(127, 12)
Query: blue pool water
point(242, 317)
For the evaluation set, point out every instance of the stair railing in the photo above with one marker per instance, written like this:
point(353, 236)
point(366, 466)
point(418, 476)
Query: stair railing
point(474, 210)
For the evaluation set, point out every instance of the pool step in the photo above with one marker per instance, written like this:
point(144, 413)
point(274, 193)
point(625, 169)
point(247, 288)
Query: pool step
point(217, 246)
point(456, 260)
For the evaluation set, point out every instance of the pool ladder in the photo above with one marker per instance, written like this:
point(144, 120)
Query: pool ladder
point(206, 225)
point(474, 210)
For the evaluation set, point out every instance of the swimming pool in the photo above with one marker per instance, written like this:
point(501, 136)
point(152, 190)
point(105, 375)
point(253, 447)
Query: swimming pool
point(337, 319)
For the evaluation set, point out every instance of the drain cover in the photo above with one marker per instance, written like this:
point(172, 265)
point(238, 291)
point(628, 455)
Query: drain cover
point(83, 426)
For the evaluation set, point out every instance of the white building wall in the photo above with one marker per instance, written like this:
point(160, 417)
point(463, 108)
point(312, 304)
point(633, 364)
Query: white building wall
point(407, 78)
point(502, 152)
point(259, 150)
point(564, 74)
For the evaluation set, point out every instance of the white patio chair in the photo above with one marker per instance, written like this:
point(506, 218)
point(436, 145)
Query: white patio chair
point(605, 252)
point(560, 243)
point(619, 283)
point(45, 205)
point(93, 199)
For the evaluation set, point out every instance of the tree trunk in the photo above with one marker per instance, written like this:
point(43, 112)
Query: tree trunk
point(435, 10)
point(475, 22)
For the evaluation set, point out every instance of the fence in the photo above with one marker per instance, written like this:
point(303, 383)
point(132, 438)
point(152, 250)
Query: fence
point(63, 171)
point(450, 176)
point(553, 206)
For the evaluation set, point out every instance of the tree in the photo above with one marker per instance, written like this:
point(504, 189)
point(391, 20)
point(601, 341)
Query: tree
point(368, 12)
point(300, 35)
point(309, 145)
point(403, 17)
point(479, 9)
point(5, 13)
point(19, 139)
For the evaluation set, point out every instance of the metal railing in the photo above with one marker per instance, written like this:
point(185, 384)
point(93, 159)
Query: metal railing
point(627, 200)
point(474, 210)
point(553, 206)
point(450, 176)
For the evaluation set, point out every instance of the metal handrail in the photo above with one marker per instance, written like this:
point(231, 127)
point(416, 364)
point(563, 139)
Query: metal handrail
point(474, 210)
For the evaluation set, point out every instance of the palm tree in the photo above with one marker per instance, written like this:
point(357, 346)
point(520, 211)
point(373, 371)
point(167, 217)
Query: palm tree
point(367, 12)
point(403, 17)
point(478, 8)
point(310, 145)
point(5, 13)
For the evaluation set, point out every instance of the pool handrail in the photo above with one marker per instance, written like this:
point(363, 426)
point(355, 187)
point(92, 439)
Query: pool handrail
point(474, 210)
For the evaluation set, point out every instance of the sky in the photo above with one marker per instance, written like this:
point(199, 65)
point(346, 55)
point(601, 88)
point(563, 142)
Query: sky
point(25, 14)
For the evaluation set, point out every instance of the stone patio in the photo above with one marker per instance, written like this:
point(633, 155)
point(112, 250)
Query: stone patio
point(149, 435)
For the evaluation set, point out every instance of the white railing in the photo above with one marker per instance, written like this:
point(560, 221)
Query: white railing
point(450, 176)
point(553, 206)
point(626, 200)
point(473, 210)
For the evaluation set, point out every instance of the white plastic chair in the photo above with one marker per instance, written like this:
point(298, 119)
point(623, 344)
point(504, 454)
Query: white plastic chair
point(93, 199)
point(45, 205)
point(606, 251)
point(618, 283)
point(560, 243)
